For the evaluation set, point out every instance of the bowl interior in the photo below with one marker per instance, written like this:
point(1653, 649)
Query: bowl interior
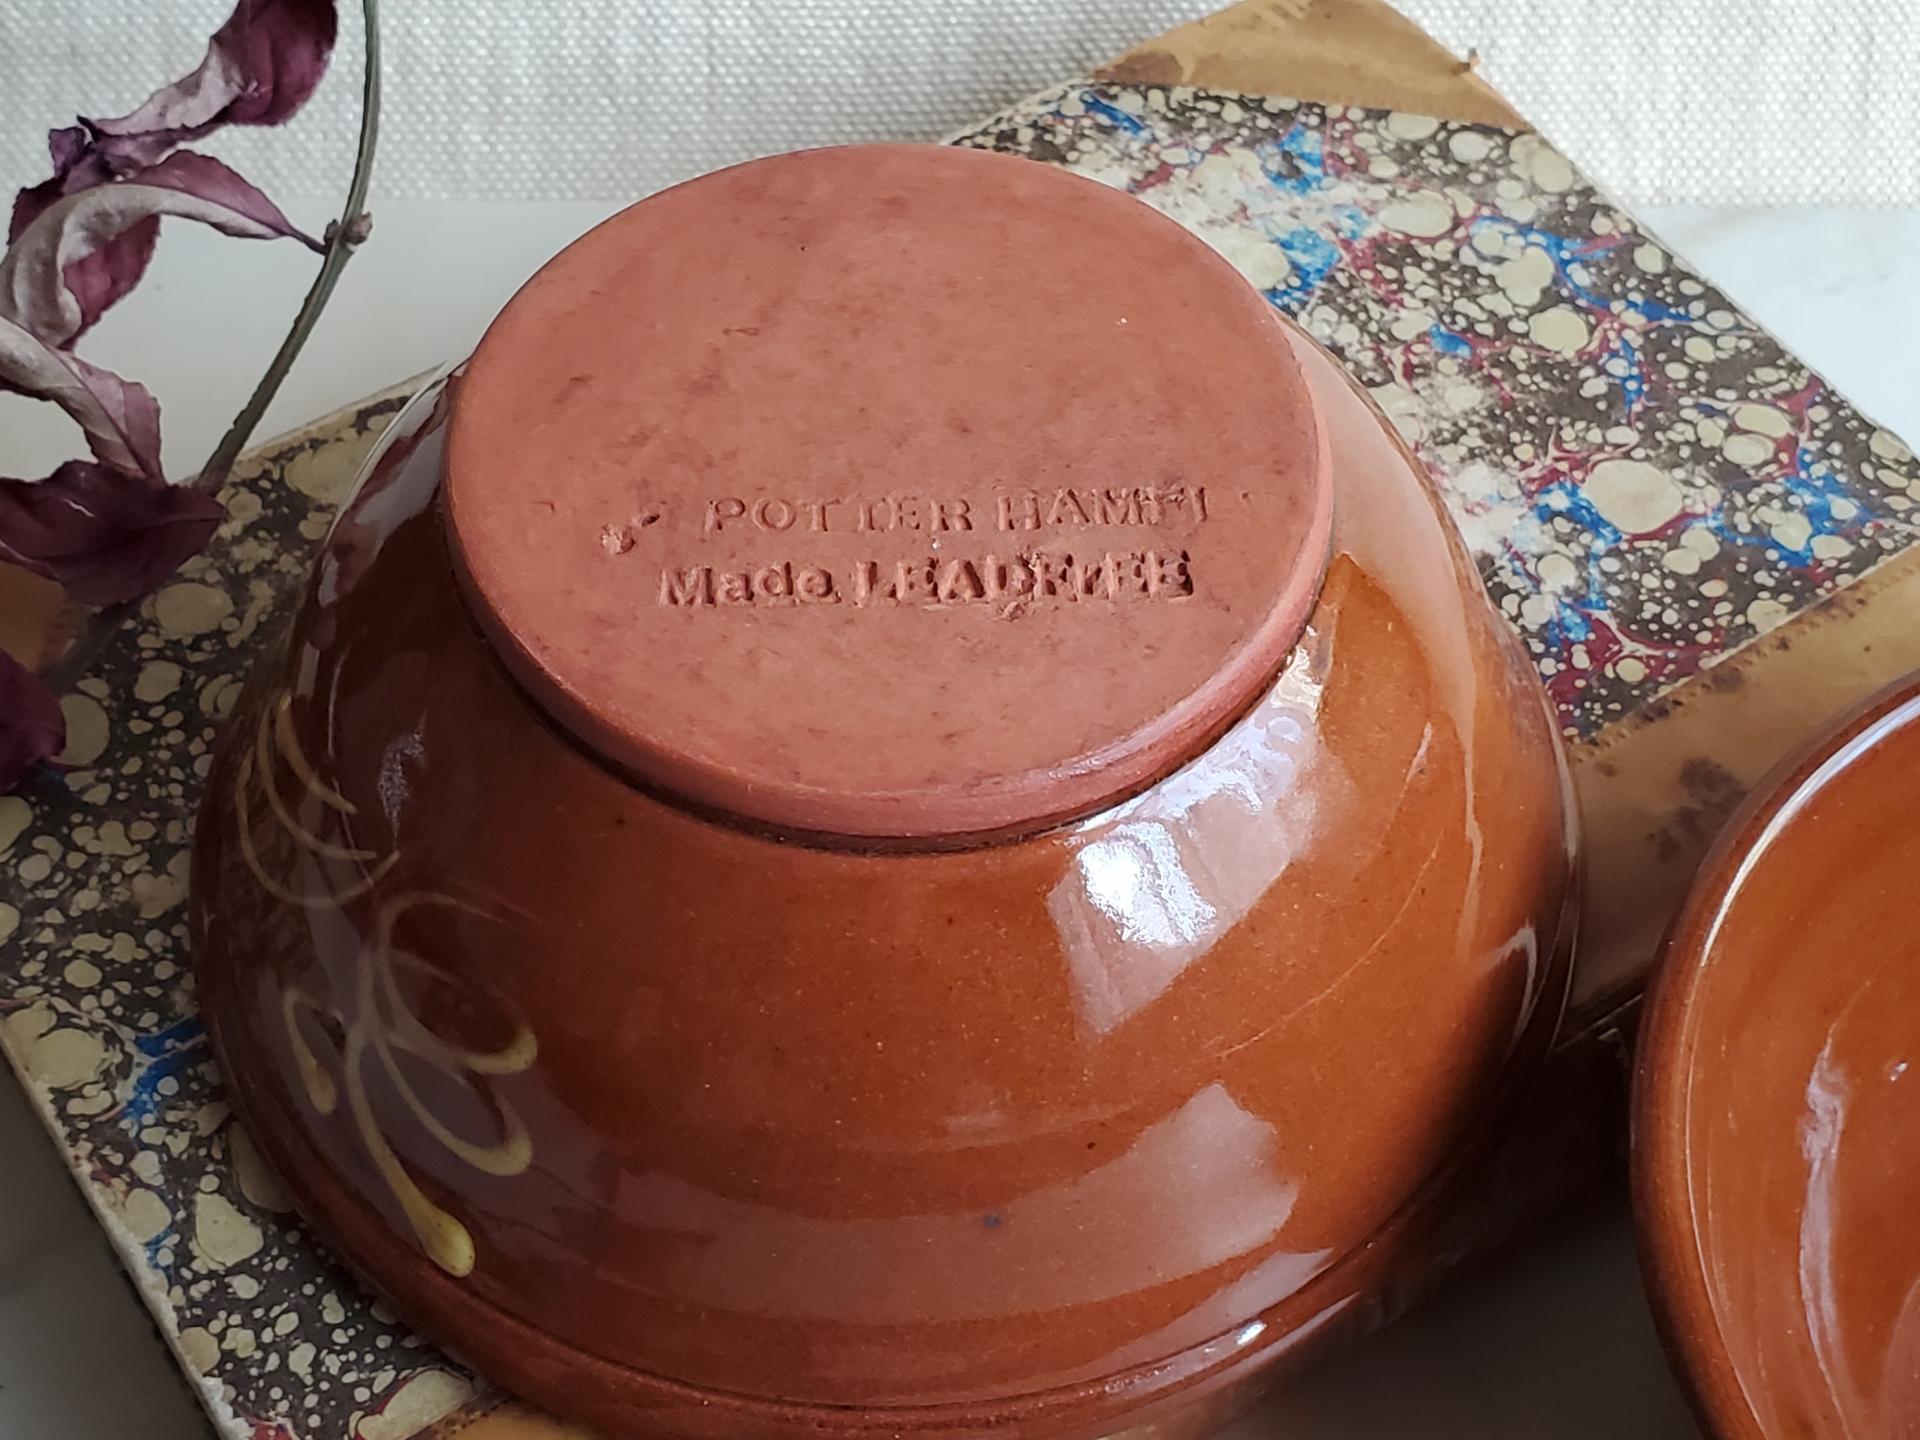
point(1777, 1139)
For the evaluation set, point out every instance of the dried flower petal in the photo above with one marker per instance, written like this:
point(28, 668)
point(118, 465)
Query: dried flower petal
point(32, 728)
point(104, 535)
point(120, 418)
point(36, 288)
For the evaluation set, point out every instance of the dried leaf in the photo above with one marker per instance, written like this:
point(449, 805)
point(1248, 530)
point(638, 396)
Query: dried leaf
point(80, 164)
point(104, 535)
point(37, 276)
point(99, 279)
point(260, 67)
point(32, 728)
point(120, 418)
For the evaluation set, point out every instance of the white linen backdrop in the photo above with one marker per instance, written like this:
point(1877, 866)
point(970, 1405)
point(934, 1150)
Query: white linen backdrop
point(1713, 101)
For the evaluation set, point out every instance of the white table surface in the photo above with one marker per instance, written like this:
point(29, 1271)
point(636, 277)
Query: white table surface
point(1551, 1340)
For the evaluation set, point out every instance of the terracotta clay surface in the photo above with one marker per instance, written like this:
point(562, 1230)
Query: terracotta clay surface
point(789, 431)
point(1777, 1136)
point(681, 1127)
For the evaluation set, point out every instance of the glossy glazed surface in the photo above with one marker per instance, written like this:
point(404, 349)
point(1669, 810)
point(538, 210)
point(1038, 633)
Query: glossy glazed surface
point(825, 418)
point(1778, 1134)
point(674, 1125)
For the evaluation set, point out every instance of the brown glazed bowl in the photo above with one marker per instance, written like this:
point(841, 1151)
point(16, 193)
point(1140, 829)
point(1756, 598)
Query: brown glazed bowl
point(896, 814)
point(1777, 1106)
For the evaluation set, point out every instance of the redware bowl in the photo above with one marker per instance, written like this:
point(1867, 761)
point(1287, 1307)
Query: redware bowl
point(1777, 1106)
point(896, 813)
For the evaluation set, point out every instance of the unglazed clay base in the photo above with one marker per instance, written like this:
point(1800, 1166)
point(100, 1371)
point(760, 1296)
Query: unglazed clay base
point(725, 976)
point(871, 450)
point(1777, 1143)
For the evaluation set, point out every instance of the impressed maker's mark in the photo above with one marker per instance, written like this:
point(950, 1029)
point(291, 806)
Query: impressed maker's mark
point(1009, 510)
point(1009, 549)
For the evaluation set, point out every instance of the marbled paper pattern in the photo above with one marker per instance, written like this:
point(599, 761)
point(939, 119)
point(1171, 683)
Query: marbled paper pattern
point(97, 1010)
point(1647, 479)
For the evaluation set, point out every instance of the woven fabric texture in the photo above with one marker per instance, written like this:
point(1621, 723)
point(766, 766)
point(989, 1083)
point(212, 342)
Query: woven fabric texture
point(1728, 101)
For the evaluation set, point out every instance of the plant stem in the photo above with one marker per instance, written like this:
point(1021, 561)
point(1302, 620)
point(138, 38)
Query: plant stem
point(343, 238)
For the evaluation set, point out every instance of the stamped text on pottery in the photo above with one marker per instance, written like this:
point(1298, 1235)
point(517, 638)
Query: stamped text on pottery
point(934, 582)
point(1038, 547)
point(1073, 508)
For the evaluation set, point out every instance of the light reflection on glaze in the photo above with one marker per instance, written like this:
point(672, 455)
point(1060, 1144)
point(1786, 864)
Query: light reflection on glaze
point(1156, 881)
point(1817, 1348)
point(1525, 943)
point(1795, 1138)
point(1821, 1129)
point(1282, 1273)
point(1872, 1382)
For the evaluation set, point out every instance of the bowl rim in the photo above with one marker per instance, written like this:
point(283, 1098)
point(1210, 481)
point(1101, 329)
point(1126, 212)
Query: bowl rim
point(1661, 1154)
